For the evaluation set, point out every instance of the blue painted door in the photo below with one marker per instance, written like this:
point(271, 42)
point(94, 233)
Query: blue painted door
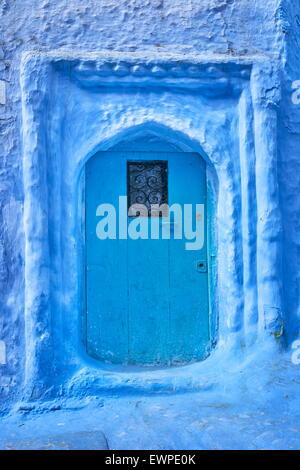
point(147, 299)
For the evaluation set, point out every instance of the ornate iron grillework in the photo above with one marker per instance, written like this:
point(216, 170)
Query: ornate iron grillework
point(147, 184)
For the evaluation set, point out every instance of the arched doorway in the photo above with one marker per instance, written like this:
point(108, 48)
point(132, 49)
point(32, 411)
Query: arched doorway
point(147, 282)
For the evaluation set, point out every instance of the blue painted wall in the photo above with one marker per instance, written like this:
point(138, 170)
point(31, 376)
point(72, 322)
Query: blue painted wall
point(289, 164)
point(229, 28)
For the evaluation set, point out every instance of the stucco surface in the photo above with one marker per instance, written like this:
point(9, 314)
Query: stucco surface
point(288, 167)
point(255, 406)
point(229, 30)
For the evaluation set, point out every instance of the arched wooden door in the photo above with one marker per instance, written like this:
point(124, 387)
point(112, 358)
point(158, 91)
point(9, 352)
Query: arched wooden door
point(147, 299)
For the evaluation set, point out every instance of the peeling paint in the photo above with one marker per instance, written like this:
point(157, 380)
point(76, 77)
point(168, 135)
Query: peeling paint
point(2, 92)
point(2, 353)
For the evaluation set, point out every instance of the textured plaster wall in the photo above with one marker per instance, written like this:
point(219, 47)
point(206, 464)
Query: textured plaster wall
point(229, 28)
point(289, 164)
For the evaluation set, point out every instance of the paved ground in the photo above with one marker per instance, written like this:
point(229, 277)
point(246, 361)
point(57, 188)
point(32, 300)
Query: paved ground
point(248, 409)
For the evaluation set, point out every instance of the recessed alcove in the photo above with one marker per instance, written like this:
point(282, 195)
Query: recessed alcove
point(77, 106)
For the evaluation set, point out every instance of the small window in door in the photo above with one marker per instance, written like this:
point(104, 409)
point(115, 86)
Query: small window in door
point(147, 184)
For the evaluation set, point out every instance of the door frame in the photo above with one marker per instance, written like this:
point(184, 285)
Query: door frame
point(211, 233)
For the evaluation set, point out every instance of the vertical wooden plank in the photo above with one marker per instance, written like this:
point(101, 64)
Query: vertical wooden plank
point(189, 324)
point(148, 287)
point(107, 306)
